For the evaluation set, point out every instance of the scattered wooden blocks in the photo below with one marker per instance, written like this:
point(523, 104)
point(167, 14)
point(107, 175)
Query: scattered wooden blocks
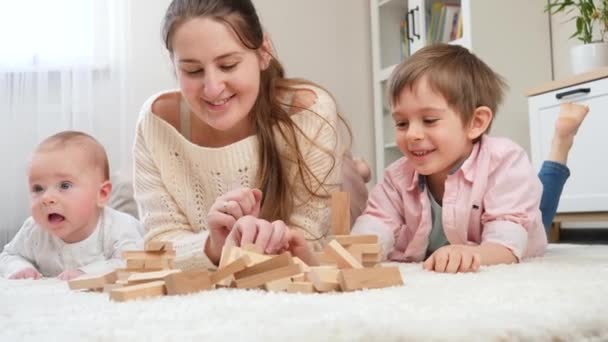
point(349, 262)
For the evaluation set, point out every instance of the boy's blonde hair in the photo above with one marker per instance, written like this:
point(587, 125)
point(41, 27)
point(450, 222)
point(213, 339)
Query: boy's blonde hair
point(463, 79)
point(95, 150)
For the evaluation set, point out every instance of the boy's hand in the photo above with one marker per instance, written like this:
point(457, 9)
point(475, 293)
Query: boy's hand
point(26, 273)
point(452, 259)
point(70, 274)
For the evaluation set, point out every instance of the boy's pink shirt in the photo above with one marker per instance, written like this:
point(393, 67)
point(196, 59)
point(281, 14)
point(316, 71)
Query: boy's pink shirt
point(493, 197)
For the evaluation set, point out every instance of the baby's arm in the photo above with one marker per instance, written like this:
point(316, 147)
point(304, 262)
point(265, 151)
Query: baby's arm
point(16, 260)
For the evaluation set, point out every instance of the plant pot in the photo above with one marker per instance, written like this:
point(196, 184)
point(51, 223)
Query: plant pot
point(587, 57)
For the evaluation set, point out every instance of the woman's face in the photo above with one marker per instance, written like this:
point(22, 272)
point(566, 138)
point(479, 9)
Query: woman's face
point(218, 76)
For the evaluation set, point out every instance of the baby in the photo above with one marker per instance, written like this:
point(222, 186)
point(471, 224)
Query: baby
point(71, 231)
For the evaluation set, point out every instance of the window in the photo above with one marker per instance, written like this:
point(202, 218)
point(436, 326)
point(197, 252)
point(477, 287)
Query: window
point(43, 34)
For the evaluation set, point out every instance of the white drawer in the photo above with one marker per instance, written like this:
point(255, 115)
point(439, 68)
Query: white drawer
point(587, 187)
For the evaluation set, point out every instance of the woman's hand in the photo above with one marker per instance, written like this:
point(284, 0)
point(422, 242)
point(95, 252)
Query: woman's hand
point(225, 212)
point(271, 238)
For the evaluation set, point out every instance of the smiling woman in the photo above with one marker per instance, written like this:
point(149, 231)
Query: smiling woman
point(62, 66)
point(239, 145)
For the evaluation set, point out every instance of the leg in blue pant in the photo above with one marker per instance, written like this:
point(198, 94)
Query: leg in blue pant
point(554, 172)
point(553, 176)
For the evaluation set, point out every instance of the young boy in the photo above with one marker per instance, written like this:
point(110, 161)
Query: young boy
point(459, 198)
point(71, 232)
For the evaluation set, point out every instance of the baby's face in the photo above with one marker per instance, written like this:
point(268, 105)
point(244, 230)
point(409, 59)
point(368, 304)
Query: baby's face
point(64, 192)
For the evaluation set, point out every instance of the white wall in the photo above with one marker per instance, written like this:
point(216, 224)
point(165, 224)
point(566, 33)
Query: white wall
point(328, 42)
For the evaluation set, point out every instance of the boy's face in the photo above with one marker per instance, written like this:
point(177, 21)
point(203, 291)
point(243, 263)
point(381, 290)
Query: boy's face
point(67, 192)
point(428, 132)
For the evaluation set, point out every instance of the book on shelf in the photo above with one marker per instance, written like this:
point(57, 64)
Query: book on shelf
point(405, 42)
point(445, 22)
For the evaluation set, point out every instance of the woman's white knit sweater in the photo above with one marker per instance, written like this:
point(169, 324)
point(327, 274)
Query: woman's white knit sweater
point(176, 181)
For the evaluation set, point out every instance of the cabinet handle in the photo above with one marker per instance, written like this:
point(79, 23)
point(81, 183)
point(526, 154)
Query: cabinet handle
point(561, 95)
point(410, 13)
point(414, 22)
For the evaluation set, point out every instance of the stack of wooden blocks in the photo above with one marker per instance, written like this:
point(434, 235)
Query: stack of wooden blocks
point(348, 263)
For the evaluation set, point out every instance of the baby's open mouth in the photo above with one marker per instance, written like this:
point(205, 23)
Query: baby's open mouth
point(55, 218)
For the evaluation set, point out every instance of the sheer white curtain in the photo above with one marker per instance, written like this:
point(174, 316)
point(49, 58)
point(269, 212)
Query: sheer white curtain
point(62, 66)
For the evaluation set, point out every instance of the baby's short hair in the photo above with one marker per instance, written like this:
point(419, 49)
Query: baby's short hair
point(463, 79)
point(95, 150)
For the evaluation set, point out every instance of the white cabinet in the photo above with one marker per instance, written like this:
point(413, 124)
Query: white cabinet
point(511, 36)
point(587, 188)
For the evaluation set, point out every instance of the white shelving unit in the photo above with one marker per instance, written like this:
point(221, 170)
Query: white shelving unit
point(511, 36)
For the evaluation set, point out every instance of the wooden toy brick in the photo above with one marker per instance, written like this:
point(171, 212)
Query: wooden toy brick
point(145, 290)
point(369, 278)
point(341, 256)
point(340, 212)
point(347, 240)
point(93, 281)
point(136, 278)
point(300, 287)
point(188, 282)
point(263, 278)
point(230, 269)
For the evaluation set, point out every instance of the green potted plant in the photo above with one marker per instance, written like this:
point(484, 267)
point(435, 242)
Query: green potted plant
point(591, 22)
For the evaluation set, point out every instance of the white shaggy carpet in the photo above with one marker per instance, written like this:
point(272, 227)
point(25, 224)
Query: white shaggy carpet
point(562, 296)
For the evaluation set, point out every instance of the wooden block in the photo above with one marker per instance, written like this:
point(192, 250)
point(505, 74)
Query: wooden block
point(364, 248)
point(109, 287)
point(265, 266)
point(277, 285)
point(302, 277)
point(347, 240)
point(230, 269)
point(263, 278)
point(143, 255)
point(188, 282)
point(303, 265)
point(159, 246)
point(340, 212)
point(324, 278)
point(341, 256)
point(145, 290)
point(93, 281)
point(300, 287)
point(256, 258)
point(371, 257)
point(369, 264)
point(324, 259)
point(370, 278)
point(158, 264)
point(137, 278)
point(134, 264)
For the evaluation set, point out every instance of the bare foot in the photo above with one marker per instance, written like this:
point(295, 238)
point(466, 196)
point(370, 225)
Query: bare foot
point(571, 115)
